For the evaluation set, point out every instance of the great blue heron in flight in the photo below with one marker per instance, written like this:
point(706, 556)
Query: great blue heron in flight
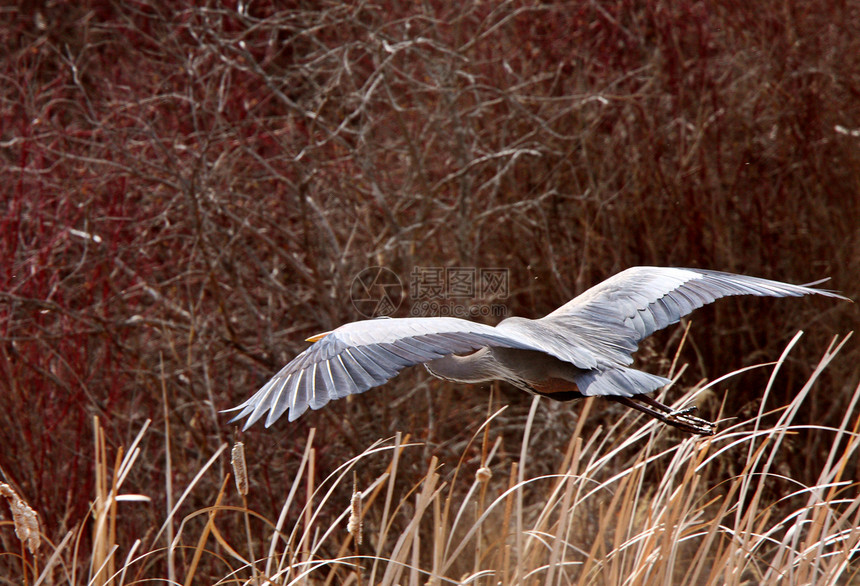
point(582, 349)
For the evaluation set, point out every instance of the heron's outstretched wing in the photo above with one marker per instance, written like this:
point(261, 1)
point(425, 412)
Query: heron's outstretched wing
point(360, 355)
point(605, 324)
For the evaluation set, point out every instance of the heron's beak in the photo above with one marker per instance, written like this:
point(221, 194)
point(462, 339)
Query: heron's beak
point(317, 337)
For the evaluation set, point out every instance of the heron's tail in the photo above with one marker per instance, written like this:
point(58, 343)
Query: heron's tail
point(620, 381)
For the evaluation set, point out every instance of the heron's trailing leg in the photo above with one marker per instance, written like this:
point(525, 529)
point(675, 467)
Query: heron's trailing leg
point(680, 419)
point(666, 409)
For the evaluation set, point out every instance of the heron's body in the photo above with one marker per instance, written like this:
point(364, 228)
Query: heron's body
point(584, 348)
point(529, 370)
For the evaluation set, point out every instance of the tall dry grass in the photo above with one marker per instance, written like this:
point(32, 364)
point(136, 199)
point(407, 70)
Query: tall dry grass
point(626, 504)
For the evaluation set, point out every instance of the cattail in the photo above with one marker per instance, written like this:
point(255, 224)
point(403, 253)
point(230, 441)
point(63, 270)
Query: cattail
point(354, 525)
point(25, 518)
point(483, 474)
point(240, 469)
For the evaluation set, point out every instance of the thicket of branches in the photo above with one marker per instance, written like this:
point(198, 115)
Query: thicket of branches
point(189, 191)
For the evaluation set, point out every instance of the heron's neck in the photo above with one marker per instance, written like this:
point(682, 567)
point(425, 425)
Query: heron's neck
point(474, 368)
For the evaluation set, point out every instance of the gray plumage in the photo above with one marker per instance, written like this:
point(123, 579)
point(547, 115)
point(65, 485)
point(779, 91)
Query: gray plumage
point(583, 348)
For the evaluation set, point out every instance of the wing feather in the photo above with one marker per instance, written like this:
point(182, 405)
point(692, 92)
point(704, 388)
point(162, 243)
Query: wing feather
point(357, 372)
point(366, 359)
point(339, 377)
point(280, 400)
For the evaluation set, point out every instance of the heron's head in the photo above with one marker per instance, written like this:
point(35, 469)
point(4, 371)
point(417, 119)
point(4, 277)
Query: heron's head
point(317, 337)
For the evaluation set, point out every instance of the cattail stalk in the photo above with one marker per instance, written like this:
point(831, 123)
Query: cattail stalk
point(24, 517)
point(240, 468)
